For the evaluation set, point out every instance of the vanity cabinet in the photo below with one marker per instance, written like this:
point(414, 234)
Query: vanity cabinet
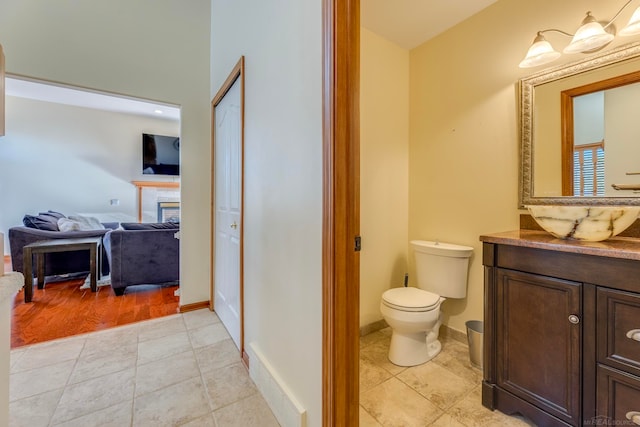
point(562, 329)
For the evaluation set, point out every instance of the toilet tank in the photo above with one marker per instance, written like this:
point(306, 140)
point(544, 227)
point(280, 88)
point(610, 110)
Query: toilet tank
point(442, 267)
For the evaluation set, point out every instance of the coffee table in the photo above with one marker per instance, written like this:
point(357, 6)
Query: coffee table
point(42, 247)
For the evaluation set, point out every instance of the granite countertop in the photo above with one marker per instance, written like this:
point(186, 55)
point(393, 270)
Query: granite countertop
point(615, 247)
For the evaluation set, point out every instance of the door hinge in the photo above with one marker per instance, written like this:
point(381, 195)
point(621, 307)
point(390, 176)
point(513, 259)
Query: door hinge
point(358, 244)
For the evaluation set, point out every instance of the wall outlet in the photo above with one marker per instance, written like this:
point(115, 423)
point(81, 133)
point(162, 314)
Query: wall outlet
point(114, 202)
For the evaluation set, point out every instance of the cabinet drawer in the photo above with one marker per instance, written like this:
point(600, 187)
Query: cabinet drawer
point(618, 397)
point(619, 329)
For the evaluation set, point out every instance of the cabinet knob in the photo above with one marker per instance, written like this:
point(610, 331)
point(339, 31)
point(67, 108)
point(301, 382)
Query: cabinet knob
point(634, 334)
point(634, 417)
point(574, 319)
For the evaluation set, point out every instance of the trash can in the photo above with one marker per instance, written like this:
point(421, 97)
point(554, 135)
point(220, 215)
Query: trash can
point(475, 332)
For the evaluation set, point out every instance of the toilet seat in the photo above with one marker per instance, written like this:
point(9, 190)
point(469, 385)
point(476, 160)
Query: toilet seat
point(410, 299)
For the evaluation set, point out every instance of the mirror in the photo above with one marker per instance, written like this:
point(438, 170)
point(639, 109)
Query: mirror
point(550, 124)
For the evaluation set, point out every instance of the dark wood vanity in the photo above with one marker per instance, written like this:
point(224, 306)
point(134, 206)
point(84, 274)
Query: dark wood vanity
point(562, 328)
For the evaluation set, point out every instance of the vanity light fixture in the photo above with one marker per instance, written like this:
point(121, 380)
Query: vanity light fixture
point(591, 36)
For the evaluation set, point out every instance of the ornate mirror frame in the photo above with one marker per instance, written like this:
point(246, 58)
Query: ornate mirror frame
point(527, 87)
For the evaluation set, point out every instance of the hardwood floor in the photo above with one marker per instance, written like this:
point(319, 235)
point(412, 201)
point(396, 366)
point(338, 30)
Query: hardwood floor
point(63, 309)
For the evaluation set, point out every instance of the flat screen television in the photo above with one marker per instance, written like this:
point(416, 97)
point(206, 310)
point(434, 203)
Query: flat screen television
point(160, 154)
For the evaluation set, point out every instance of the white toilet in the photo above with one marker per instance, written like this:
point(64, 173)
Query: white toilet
point(414, 313)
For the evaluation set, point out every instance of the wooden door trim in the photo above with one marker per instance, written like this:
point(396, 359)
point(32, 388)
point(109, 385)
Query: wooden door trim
point(341, 212)
point(236, 73)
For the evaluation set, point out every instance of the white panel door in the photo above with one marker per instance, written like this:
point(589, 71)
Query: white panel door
point(228, 206)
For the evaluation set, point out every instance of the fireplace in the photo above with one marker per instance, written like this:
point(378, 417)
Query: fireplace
point(168, 211)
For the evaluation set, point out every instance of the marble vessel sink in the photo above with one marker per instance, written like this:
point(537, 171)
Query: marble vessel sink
point(589, 223)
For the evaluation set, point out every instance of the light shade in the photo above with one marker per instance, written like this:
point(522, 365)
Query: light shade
point(591, 35)
point(540, 52)
point(633, 27)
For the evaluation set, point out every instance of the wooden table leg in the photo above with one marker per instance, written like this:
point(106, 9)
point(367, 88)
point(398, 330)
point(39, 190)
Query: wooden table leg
point(92, 267)
point(28, 274)
point(40, 269)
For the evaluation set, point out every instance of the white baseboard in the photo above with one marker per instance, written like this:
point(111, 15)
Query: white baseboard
point(283, 404)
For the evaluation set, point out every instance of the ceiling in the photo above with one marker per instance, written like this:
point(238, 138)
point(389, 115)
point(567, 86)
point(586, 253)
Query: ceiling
point(44, 91)
point(409, 23)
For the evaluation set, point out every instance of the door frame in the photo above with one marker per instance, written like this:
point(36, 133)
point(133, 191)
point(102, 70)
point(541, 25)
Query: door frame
point(341, 212)
point(237, 73)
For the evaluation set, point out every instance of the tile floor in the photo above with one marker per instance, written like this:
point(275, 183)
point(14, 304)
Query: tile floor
point(180, 370)
point(442, 392)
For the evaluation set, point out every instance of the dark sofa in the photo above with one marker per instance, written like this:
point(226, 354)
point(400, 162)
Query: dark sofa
point(143, 254)
point(60, 263)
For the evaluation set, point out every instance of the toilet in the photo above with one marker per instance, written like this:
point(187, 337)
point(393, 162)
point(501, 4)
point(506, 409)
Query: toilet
point(413, 313)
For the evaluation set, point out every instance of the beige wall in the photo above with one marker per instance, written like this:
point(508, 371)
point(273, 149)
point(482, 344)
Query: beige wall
point(153, 49)
point(283, 183)
point(384, 170)
point(463, 167)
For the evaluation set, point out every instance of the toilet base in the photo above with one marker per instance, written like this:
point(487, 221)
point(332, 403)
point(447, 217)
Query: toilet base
point(411, 349)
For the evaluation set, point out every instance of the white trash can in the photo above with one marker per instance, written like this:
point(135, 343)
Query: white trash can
point(475, 333)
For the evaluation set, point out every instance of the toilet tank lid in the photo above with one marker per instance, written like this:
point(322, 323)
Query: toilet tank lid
point(442, 248)
point(410, 297)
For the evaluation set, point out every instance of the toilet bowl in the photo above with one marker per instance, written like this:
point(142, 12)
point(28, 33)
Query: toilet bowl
point(413, 313)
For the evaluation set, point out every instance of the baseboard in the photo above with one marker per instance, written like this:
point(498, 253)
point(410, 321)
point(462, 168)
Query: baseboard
point(245, 359)
point(193, 306)
point(445, 331)
point(372, 327)
point(453, 334)
point(283, 404)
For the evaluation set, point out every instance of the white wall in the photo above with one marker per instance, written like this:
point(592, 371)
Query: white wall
point(71, 160)
point(282, 44)
point(384, 170)
point(150, 49)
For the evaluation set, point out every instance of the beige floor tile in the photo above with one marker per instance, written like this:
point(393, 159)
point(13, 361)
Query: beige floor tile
point(94, 395)
point(378, 353)
point(34, 411)
point(29, 383)
point(367, 420)
point(206, 421)
point(371, 374)
point(161, 327)
point(160, 348)
point(208, 335)
point(165, 372)
point(251, 411)
point(125, 339)
point(115, 416)
point(171, 406)
point(439, 385)
point(373, 338)
point(393, 403)
point(97, 365)
point(455, 357)
point(199, 318)
point(16, 354)
point(228, 385)
point(470, 412)
point(49, 353)
point(447, 420)
point(218, 355)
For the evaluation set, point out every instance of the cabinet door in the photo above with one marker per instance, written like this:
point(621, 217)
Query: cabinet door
point(619, 330)
point(539, 342)
point(618, 397)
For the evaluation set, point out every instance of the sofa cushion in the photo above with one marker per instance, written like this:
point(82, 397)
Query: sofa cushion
point(41, 222)
point(150, 225)
point(55, 214)
point(79, 223)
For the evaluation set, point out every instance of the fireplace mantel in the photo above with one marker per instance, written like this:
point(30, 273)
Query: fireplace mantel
point(153, 184)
